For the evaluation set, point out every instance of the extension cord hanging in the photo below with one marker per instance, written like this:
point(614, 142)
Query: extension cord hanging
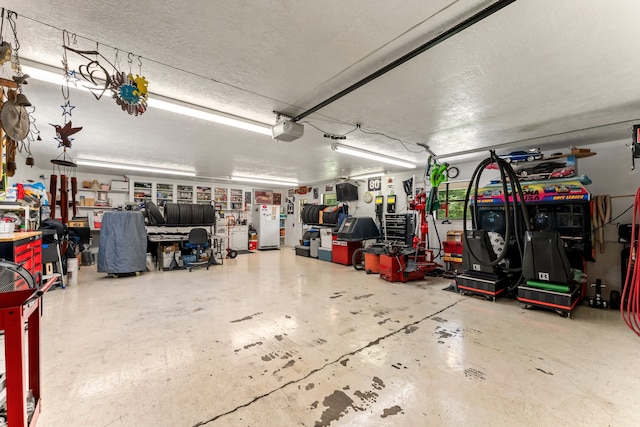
point(600, 216)
point(630, 309)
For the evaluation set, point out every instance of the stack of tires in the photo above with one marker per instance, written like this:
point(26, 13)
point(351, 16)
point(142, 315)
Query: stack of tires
point(322, 214)
point(311, 213)
point(181, 214)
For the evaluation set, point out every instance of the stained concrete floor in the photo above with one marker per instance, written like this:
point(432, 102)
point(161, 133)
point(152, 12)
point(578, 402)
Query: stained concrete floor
point(272, 339)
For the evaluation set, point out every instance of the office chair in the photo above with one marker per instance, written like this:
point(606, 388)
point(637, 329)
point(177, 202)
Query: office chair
point(198, 239)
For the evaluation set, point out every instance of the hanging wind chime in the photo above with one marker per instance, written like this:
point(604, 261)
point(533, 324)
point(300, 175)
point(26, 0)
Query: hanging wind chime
point(63, 165)
point(15, 119)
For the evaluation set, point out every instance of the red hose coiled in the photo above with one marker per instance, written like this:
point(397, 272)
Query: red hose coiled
point(630, 303)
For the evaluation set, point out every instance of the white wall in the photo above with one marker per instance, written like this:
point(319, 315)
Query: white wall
point(609, 171)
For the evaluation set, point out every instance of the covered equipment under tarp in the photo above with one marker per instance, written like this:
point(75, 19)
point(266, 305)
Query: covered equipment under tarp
point(123, 243)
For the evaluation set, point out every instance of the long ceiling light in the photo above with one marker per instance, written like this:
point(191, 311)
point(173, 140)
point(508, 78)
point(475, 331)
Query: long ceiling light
point(137, 168)
point(264, 181)
point(339, 148)
point(156, 101)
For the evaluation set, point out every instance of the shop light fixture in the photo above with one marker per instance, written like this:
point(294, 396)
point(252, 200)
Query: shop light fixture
point(367, 176)
point(137, 168)
point(339, 148)
point(264, 181)
point(155, 101)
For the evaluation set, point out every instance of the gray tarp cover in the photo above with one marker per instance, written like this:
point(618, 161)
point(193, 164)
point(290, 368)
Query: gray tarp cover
point(123, 243)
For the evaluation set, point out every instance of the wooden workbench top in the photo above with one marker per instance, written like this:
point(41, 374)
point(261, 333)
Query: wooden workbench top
point(18, 236)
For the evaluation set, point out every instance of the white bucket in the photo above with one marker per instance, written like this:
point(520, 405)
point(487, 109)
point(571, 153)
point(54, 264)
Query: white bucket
point(150, 265)
point(7, 227)
point(72, 271)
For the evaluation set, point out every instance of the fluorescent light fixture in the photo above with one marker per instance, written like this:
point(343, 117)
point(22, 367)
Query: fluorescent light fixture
point(264, 181)
point(54, 76)
point(371, 156)
point(215, 117)
point(137, 168)
point(367, 176)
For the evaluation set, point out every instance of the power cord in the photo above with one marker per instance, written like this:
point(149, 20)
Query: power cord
point(630, 306)
point(359, 127)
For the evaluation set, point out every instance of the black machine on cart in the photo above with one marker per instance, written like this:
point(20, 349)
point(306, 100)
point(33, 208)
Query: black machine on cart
point(545, 234)
point(489, 266)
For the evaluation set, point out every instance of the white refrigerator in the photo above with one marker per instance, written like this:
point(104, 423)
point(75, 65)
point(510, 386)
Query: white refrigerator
point(266, 221)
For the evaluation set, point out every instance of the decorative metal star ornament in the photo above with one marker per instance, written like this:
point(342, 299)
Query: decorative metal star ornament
point(72, 77)
point(67, 108)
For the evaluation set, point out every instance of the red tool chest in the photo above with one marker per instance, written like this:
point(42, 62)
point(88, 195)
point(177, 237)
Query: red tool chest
point(23, 248)
point(342, 251)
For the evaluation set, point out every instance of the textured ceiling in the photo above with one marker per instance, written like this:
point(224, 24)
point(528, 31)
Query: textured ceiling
point(543, 72)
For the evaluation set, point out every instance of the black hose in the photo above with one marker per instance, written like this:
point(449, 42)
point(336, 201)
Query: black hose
point(506, 171)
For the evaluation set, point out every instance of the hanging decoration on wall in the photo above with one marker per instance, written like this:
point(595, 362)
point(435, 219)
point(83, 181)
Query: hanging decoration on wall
point(5, 52)
point(63, 134)
point(63, 165)
point(130, 92)
point(92, 72)
point(14, 117)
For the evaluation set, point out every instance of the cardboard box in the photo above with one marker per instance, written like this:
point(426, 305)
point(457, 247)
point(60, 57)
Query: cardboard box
point(174, 247)
point(77, 222)
point(89, 201)
point(454, 236)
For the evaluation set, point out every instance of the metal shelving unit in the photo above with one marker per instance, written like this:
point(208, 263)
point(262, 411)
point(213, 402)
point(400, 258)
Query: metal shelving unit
point(221, 198)
point(203, 195)
point(399, 227)
point(164, 194)
point(185, 194)
point(142, 191)
point(236, 199)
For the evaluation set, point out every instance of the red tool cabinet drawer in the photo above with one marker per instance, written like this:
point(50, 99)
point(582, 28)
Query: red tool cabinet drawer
point(23, 248)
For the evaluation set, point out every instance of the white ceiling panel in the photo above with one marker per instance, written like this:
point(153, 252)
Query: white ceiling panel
point(542, 72)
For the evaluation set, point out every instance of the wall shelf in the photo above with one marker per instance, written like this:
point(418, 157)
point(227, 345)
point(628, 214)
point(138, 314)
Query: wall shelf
point(203, 195)
point(185, 194)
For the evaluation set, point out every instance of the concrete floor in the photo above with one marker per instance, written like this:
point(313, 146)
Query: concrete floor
point(272, 339)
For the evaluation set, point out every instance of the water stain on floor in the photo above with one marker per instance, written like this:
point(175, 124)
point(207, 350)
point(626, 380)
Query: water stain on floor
point(249, 317)
point(248, 346)
point(410, 329)
point(337, 404)
point(474, 374)
point(387, 412)
point(443, 334)
point(318, 341)
point(544, 372)
point(367, 396)
point(378, 384)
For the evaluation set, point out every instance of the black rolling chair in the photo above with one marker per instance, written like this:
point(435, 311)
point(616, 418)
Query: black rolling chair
point(198, 239)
